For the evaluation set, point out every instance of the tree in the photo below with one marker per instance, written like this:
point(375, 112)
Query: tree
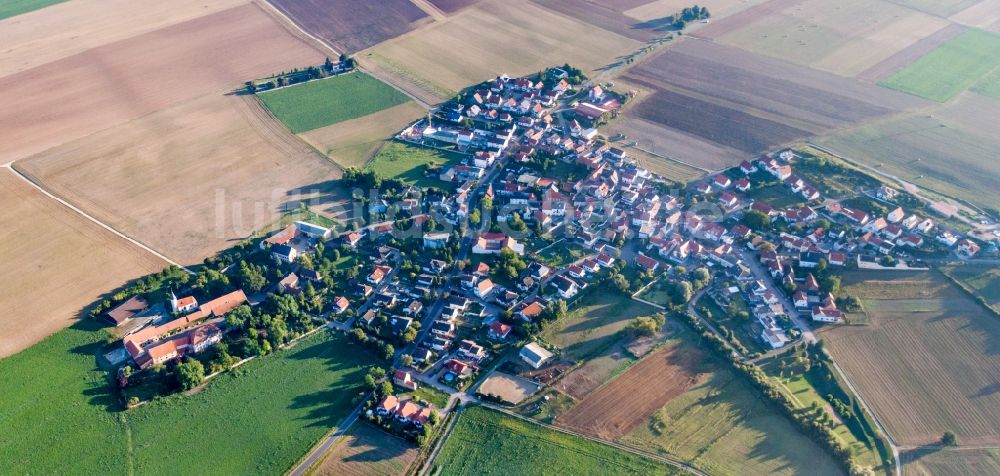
point(642, 326)
point(621, 284)
point(701, 274)
point(949, 439)
point(755, 220)
point(387, 351)
point(475, 218)
point(681, 292)
point(252, 277)
point(406, 360)
point(189, 374)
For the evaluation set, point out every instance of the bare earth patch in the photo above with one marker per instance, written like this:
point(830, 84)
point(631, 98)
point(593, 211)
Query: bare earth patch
point(511, 388)
point(627, 401)
point(81, 94)
point(55, 262)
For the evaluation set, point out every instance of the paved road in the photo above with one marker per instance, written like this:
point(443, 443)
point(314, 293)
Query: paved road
point(328, 442)
point(9, 166)
point(809, 336)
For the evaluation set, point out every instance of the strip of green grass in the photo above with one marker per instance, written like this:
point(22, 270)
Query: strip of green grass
point(951, 68)
point(408, 163)
point(10, 8)
point(487, 442)
point(319, 103)
point(59, 416)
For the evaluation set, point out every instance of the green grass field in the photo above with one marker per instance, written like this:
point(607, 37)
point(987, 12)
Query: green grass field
point(408, 163)
point(487, 442)
point(9, 8)
point(594, 323)
point(951, 68)
point(562, 254)
point(431, 395)
point(60, 417)
point(319, 103)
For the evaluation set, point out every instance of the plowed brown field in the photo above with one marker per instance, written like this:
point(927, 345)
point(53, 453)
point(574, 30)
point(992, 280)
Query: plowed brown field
point(104, 86)
point(352, 25)
point(627, 401)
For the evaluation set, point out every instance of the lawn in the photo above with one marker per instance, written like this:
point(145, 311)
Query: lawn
point(594, 322)
point(9, 8)
point(725, 427)
point(951, 68)
point(431, 395)
point(561, 254)
point(777, 195)
point(487, 442)
point(319, 103)
point(60, 417)
point(408, 163)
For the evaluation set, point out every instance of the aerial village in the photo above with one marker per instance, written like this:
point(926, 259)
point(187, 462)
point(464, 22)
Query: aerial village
point(448, 285)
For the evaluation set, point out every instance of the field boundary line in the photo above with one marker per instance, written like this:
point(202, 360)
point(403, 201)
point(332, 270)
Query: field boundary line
point(677, 463)
point(328, 442)
point(288, 21)
point(37, 186)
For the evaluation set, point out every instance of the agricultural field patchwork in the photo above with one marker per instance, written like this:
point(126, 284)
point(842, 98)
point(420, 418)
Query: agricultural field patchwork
point(260, 418)
point(205, 175)
point(365, 450)
point(352, 26)
point(926, 363)
point(307, 106)
point(515, 37)
point(109, 85)
point(721, 424)
point(942, 8)
point(483, 440)
point(612, 16)
point(983, 280)
point(949, 152)
point(352, 143)
point(51, 260)
point(844, 38)
point(951, 68)
point(740, 101)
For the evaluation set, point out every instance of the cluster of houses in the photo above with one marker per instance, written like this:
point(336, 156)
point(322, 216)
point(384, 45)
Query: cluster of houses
point(200, 327)
point(403, 411)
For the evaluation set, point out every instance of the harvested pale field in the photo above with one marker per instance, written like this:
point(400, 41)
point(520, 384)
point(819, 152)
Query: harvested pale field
point(667, 168)
point(844, 37)
point(365, 450)
point(55, 262)
point(19, 7)
point(941, 8)
point(63, 30)
point(510, 36)
point(189, 180)
point(951, 152)
point(594, 323)
point(928, 361)
point(510, 388)
point(104, 86)
point(661, 8)
point(740, 100)
point(607, 15)
point(950, 461)
point(983, 15)
point(350, 25)
point(353, 143)
point(744, 18)
point(904, 57)
point(627, 401)
point(452, 6)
